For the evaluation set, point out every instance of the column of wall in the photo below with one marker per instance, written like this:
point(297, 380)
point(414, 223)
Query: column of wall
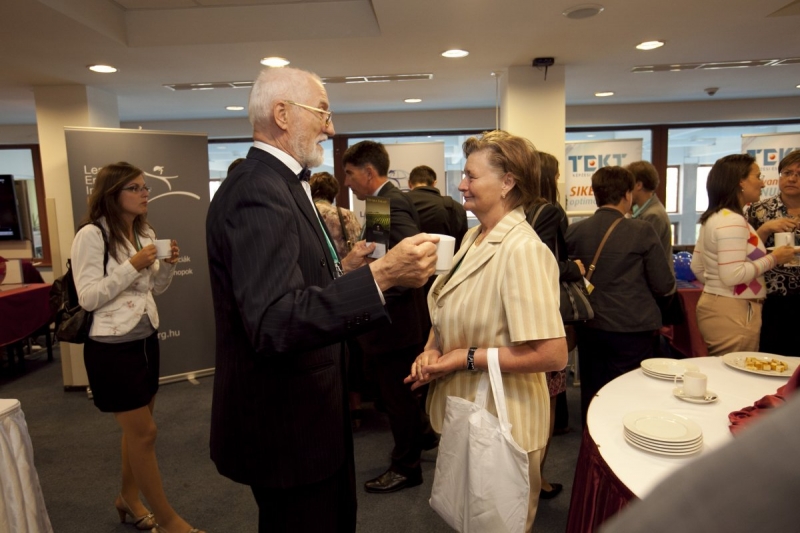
point(57, 107)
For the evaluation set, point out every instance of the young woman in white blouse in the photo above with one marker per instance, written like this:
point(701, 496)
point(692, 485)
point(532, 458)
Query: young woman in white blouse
point(730, 259)
point(121, 354)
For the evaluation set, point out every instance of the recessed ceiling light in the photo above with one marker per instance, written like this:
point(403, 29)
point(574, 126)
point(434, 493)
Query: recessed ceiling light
point(583, 11)
point(105, 69)
point(455, 53)
point(603, 94)
point(798, 86)
point(234, 108)
point(275, 62)
point(412, 100)
point(650, 45)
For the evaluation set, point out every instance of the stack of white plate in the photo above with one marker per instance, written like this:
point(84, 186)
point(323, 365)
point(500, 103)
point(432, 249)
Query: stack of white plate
point(669, 369)
point(663, 433)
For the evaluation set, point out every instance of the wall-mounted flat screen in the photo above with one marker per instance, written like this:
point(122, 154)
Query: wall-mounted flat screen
point(10, 229)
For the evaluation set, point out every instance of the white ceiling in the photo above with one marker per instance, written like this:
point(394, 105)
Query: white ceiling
point(157, 42)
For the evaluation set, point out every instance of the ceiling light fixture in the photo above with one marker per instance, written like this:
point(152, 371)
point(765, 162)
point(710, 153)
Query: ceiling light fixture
point(412, 100)
point(603, 94)
point(234, 108)
point(649, 45)
point(274, 62)
point(103, 69)
point(583, 11)
point(455, 53)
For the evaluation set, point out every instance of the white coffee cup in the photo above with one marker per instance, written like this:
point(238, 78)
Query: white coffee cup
point(163, 248)
point(694, 384)
point(784, 238)
point(445, 249)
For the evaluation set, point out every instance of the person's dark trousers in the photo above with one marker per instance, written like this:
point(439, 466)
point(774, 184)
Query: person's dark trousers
point(605, 355)
point(778, 320)
point(562, 413)
point(328, 506)
point(407, 417)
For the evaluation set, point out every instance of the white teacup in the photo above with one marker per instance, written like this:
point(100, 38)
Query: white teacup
point(163, 248)
point(694, 384)
point(784, 238)
point(445, 249)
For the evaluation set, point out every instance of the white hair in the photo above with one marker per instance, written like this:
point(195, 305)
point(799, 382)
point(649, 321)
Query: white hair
point(275, 84)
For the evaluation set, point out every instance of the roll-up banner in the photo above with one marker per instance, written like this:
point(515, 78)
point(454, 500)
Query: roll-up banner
point(175, 165)
point(584, 158)
point(769, 149)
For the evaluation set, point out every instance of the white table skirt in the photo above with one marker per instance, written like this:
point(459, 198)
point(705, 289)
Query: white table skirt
point(22, 508)
point(641, 471)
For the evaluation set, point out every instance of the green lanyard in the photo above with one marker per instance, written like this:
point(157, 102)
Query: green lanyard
point(336, 262)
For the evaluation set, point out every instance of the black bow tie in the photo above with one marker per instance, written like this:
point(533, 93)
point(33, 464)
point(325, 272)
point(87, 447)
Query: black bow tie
point(304, 174)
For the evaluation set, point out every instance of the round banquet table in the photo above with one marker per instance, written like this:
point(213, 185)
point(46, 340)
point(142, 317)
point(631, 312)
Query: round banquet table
point(21, 500)
point(610, 472)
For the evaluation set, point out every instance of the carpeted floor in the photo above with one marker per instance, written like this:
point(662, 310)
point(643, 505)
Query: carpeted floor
point(77, 457)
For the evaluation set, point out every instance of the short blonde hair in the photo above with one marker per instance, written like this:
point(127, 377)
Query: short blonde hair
point(516, 156)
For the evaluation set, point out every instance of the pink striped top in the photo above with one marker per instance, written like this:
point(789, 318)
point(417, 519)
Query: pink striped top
point(729, 257)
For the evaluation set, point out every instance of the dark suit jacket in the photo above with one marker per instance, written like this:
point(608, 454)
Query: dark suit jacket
point(278, 415)
point(631, 271)
point(407, 308)
point(439, 214)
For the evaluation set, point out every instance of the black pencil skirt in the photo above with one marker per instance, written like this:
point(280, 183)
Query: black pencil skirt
point(124, 376)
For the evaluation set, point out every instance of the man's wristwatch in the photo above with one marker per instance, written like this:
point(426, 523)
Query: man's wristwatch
point(471, 358)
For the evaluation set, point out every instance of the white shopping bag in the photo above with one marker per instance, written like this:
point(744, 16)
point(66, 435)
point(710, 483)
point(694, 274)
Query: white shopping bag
point(481, 483)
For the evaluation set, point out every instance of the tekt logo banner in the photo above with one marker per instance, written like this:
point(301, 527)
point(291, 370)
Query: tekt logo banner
point(584, 158)
point(769, 149)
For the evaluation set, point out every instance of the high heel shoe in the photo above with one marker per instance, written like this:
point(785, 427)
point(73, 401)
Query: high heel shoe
point(144, 523)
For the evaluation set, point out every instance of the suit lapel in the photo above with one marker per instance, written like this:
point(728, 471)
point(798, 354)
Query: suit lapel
point(478, 256)
point(301, 199)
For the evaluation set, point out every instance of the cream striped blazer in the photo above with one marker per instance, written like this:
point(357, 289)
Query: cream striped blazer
point(503, 293)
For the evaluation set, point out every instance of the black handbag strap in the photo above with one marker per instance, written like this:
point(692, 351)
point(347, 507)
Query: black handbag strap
point(105, 246)
point(593, 266)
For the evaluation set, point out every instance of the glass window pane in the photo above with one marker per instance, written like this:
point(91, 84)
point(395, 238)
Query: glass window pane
point(701, 195)
point(18, 162)
point(673, 186)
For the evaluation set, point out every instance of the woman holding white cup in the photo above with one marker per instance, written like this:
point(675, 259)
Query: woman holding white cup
point(730, 259)
point(776, 219)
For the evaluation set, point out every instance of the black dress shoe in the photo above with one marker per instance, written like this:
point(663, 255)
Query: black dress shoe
point(391, 481)
point(550, 494)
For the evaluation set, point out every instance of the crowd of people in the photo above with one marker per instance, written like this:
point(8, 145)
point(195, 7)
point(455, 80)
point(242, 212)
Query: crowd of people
point(305, 316)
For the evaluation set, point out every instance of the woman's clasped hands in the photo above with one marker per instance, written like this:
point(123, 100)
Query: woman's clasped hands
point(432, 364)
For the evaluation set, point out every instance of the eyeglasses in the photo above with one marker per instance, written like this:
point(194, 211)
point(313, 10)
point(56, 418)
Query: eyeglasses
point(791, 174)
point(136, 189)
point(328, 115)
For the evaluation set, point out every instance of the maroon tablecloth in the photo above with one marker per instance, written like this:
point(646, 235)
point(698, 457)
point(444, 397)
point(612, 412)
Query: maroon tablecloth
point(597, 494)
point(686, 337)
point(23, 310)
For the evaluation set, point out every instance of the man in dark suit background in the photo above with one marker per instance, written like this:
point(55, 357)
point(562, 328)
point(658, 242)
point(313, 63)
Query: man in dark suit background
point(437, 213)
point(279, 419)
point(391, 349)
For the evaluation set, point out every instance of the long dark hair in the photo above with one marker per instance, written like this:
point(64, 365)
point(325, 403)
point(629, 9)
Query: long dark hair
point(549, 177)
point(104, 203)
point(724, 184)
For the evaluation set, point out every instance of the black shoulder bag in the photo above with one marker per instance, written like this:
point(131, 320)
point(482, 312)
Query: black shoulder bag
point(73, 322)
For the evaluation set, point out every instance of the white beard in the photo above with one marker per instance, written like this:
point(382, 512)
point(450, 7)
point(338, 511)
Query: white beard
point(309, 153)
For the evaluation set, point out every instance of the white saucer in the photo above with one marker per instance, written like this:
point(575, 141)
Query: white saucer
point(796, 248)
point(662, 452)
point(662, 426)
point(710, 396)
